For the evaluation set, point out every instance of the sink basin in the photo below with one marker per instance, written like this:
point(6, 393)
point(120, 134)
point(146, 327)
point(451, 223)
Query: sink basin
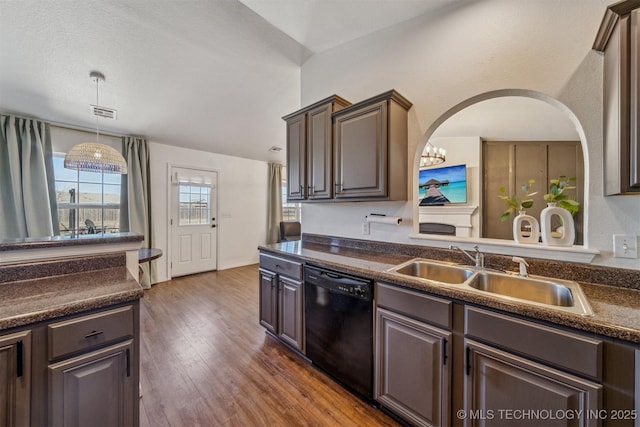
point(433, 271)
point(556, 294)
point(560, 294)
point(541, 291)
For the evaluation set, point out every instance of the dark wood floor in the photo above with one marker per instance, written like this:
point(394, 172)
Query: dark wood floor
point(205, 361)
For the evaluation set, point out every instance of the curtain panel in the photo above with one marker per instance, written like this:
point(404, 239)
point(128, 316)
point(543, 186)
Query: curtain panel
point(27, 189)
point(274, 208)
point(135, 199)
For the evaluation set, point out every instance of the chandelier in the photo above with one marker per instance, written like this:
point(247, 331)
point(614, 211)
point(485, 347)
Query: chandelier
point(432, 155)
point(93, 156)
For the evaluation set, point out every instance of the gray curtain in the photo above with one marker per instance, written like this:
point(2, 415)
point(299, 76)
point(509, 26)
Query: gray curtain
point(274, 208)
point(135, 199)
point(27, 188)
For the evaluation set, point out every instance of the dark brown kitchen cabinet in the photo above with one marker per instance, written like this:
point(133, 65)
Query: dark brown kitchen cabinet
point(504, 389)
point(370, 149)
point(619, 39)
point(93, 389)
point(413, 355)
point(15, 379)
point(93, 371)
point(296, 155)
point(282, 300)
point(413, 373)
point(309, 150)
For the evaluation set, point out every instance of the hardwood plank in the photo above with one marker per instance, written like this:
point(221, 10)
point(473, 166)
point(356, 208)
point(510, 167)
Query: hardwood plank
point(206, 361)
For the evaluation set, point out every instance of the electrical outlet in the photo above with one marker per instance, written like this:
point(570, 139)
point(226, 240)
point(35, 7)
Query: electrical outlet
point(366, 228)
point(625, 246)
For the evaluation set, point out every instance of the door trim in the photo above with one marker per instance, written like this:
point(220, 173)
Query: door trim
point(169, 207)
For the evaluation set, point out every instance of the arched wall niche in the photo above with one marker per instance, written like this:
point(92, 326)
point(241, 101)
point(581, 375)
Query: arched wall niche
point(502, 93)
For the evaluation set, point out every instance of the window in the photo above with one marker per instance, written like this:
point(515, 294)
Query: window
point(195, 204)
point(290, 211)
point(88, 202)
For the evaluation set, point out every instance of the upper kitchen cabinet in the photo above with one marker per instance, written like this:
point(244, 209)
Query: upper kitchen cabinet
point(370, 149)
point(309, 150)
point(619, 39)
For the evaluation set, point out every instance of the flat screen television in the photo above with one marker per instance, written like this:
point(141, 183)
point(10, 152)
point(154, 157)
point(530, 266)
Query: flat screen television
point(442, 185)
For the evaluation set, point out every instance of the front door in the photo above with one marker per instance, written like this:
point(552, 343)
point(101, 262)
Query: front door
point(193, 221)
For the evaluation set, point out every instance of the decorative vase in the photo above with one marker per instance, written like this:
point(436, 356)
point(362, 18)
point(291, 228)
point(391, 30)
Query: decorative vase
point(525, 221)
point(564, 234)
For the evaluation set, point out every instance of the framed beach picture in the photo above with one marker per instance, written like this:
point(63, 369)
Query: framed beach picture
point(443, 185)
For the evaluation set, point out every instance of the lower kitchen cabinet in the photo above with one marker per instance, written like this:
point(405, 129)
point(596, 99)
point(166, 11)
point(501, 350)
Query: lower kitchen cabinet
point(76, 370)
point(268, 300)
point(412, 369)
point(290, 304)
point(504, 389)
point(282, 299)
point(15, 379)
point(94, 389)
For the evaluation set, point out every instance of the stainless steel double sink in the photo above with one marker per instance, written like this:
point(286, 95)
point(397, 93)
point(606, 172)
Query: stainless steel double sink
point(556, 294)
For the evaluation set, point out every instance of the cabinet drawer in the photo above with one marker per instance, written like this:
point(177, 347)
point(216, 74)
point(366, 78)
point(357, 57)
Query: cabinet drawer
point(417, 305)
point(87, 332)
point(571, 351)
point(281, 266)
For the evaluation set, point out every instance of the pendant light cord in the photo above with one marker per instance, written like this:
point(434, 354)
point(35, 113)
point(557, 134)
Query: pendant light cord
point(97, 105)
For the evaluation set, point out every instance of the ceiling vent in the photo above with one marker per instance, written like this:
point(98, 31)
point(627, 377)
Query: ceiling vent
point(104, 112)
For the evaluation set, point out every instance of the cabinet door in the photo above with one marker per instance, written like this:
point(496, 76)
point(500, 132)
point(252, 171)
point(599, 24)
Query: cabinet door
point(268, 300)
point(291, 328)
point(412, 369)
point(94, 389)
point(319, 154)
point(15, 378)
point(296, 157)
point(504, 389)
point(360, 153)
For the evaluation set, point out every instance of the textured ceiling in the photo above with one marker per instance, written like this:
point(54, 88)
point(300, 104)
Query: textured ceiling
point(208, 75)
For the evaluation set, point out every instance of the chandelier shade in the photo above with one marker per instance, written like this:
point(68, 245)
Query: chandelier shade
point(432, 156)
point(95, 157)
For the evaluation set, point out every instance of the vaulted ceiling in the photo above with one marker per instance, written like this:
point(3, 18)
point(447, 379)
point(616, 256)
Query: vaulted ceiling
point(208, 75)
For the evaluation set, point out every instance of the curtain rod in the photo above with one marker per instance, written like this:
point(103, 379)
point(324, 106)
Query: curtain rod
point(64, 125)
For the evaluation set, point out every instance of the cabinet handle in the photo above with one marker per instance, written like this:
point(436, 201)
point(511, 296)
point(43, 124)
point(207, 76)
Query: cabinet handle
point(312, 189)
point(468, 361)
point(444, 351)
point(93, 334)
point(128, 354)
point(20, 359)
point(338, 188)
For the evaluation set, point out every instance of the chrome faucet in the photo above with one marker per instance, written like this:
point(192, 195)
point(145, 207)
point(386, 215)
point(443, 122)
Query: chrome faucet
point(478, 258)
point(523, 266)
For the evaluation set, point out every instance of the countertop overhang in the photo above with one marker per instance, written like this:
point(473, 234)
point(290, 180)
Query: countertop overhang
point(30, 301)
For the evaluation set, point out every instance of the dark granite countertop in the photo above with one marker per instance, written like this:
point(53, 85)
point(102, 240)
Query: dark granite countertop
point(616, 309)
point(30, 301)
point(62, 241)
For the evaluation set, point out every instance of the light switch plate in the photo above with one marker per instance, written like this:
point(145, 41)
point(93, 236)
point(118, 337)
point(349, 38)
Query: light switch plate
point(625, 246)
point(366, 227)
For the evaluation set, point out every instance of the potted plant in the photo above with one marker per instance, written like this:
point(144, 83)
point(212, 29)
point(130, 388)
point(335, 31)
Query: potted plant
point(557, 195)
point(515, 202)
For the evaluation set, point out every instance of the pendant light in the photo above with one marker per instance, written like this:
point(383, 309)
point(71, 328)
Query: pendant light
point(93, 156)
point(432, 156)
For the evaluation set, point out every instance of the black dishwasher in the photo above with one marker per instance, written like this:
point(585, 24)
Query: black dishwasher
point(339, 327)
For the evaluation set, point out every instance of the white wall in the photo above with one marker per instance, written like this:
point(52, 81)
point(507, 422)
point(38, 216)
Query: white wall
point(242, 203)
point(472, 48)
